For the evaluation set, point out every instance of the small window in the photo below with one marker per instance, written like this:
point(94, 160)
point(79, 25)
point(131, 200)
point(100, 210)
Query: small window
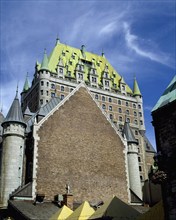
point(111, 116)
point(47, 83)
point(123, 87)
point(119, 102)
point(42, 83)
point(140, 114)
point(62, 97)
point(62, 88)
point(134, 105)
point(127, 104)
point(136, 132)
point(47, 93)
point(120, 110)
point(103, 106)
point(96, 96)
point(139, 106)
point(60, 70)
point(52, 94)
point(106, 83)
point(41, 101)
point(135, 113)
point(110, 99)
point(71, 89)
point(103, 98)
point(128, 120)
point(80, 75)
point(120, 118)
point(41, 92)
point(127, 112)
point(110, 108)
point(141, 177)
point(94, 79)
point(140, 168)
point(52, 86)
point(69, 73)
point(139, 159)
point(136, 122)
point(141, 122)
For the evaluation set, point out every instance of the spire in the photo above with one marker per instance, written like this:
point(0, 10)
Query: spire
point(136, 91)
point(44, 65)
point(103, 54)
point(26, 86)
point(122, 80)
point(15, 112)
point(57, 41)
point(127, 132)
point(83, 50)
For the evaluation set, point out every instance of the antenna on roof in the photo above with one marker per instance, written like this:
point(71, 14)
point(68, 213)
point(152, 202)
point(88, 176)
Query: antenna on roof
point(17, 90)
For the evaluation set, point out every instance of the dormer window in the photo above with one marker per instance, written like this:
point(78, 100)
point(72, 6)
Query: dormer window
point(94, 79)
point(60, 70)
point(52, 86)
point(80, 75)
point(106, 83)
point(93, 71)
point(81, 67)
point(106, 75)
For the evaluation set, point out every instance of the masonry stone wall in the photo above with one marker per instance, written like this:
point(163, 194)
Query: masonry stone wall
point(79, 147)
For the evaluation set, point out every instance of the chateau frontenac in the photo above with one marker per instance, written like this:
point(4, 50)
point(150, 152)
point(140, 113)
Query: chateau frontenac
point(78, 123)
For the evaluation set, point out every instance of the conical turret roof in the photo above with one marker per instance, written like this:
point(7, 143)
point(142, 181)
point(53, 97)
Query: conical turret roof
point(26, 86)
point(127, 132)
point(136, 90)
point(44, 65)
point(15, 112)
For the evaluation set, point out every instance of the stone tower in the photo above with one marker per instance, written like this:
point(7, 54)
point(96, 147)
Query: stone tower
point(12, 151)
point(133, 164)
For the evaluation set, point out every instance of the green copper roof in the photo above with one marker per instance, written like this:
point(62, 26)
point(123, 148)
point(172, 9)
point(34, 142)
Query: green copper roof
point(44, 65)
point(26, 86)
point(70, 57)
point(136, 90)
point(168, 96)
point(127, 132)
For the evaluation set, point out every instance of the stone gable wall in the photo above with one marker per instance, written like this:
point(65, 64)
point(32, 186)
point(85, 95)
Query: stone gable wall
point(78, 146)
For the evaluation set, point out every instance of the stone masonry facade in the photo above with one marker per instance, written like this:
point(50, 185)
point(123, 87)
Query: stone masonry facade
point(78, 146)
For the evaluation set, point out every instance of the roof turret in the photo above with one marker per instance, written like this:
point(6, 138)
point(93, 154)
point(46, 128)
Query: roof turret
point(26, 86)
point(15, 112)
point(136, 90)
point(44, 65)
point(57, 41)
point(127, 132)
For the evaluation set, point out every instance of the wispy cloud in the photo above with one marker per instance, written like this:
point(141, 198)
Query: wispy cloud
point(133, 42)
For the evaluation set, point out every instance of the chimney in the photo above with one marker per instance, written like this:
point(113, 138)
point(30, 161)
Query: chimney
point(68, 198)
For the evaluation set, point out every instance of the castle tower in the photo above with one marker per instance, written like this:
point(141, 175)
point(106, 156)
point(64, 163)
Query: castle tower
point(44, 81)
point(26, 87)
point(138, 96)
point(133, 165)
point(12, 151)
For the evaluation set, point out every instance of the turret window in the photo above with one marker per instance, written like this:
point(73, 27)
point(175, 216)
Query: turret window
point(140, 114)
point(41, 92)
point(42, 83)
point(140, 168)
point(47, 84)
point(41, 101)
point(141, 122)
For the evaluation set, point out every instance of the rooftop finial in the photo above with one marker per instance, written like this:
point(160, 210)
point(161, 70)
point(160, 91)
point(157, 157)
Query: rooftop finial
point(57, 40)
point(102, 54)
point(16, 91)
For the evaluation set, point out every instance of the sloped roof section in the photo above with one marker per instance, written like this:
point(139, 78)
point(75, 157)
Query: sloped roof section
point(84, 211)
point(62, 214)
point(70, 57)
point(44, 65)
point(114, 208)
point(15, 112)
point(168, 96)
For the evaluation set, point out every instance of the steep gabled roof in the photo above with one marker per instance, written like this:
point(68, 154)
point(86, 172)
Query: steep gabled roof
point(168, 96)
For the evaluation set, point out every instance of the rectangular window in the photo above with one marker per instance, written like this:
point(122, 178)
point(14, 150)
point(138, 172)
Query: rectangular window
point(106, 83)
point(110, 108)
point(62, 97)
point(94, 79)
point(52, 94)
point(62, 88)
point(60, 70)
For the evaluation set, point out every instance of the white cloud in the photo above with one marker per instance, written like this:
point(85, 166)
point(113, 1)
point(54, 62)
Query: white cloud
point(133, 42)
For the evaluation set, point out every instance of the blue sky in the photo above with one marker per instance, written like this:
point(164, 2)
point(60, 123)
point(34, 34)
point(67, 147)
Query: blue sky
point(137, 37)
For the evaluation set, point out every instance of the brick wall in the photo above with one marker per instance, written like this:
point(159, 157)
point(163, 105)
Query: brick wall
point(78, 146)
